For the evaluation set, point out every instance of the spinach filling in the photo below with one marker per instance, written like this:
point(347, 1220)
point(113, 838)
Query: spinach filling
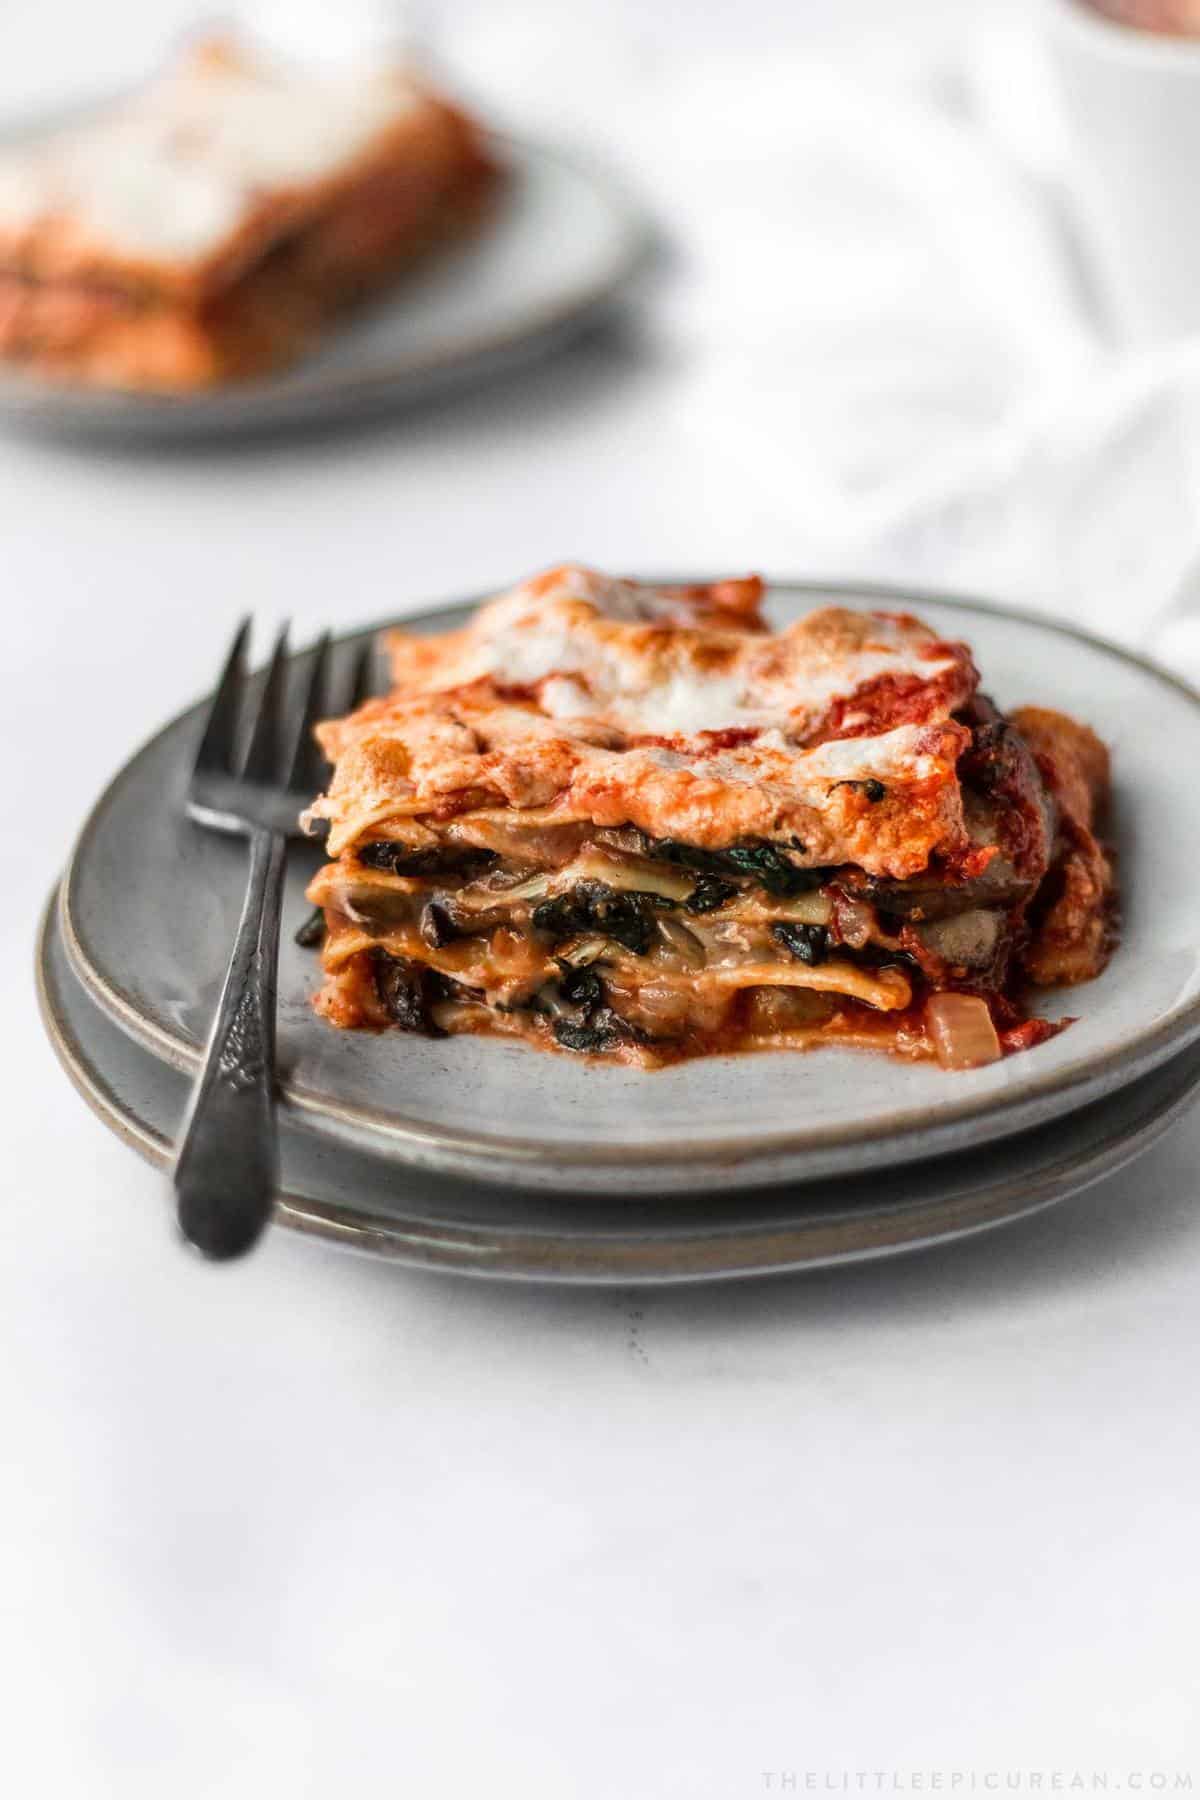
point(409, 991)
point(598, 1027)
point(439, 859)
point(757, 861)
point(583, 1017)
point(709, 893)
point(594, 907)
point(807, 943)
point(600, 1031)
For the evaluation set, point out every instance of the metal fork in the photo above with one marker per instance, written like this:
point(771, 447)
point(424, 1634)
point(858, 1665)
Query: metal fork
point(226, 1172)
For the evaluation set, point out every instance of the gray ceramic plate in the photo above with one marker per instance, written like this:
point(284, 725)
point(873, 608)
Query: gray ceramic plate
point(149, 907)
point(369, 1204)
point(560, 246)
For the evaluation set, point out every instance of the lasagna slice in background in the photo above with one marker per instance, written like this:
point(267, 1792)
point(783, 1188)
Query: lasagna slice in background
point(210, 226)
point(633, 821)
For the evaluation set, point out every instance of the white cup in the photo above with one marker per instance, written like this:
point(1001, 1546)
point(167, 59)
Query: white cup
point(1132, 103)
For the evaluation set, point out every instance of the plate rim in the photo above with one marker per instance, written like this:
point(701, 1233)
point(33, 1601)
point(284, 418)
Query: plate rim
point(449, 1147)
point(601, 1260)
point(288, 396)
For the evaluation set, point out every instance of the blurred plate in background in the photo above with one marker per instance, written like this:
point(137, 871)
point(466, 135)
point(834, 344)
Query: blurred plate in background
point(557, 249)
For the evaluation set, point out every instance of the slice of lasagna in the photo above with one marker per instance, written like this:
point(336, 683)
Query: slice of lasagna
point(633, 820)
point(209, 227)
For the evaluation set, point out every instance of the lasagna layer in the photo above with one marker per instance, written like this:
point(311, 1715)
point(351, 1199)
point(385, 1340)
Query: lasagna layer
point(632, 820)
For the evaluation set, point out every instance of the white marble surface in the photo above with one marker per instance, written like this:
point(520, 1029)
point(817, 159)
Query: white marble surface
point(310, 1526)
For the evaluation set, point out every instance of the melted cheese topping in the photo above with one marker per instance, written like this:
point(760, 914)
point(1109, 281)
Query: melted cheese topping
point(653, 660)
point(576, 697)
point(172, 174)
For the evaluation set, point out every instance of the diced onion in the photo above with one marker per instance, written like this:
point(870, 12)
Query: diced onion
point(962, 1031)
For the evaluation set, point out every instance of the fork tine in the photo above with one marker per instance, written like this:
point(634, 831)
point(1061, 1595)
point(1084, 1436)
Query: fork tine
point(362, 676)
point(307, 772)
point(265, 755)
point(216, 753)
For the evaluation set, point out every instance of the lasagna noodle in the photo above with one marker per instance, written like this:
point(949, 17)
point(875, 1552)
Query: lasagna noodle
point(886, 989)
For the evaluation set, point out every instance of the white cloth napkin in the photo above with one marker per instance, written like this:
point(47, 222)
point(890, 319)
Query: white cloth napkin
point(889, 359)
point(879, 350)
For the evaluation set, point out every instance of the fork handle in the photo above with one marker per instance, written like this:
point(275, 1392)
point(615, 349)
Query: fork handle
point(226, 1173)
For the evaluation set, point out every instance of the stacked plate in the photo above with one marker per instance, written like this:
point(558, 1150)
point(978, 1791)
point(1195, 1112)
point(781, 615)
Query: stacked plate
point(485, 1156)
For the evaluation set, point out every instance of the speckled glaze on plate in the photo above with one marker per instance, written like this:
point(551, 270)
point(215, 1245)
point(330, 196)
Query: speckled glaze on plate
point(368, 1204)
point(149, 906)
point(560, 244)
